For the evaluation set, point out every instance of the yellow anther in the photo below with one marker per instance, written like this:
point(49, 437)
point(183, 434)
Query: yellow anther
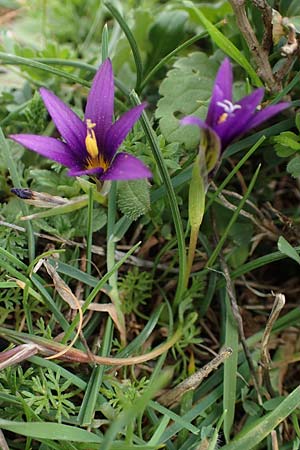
point(90, 140)
point(223, 118)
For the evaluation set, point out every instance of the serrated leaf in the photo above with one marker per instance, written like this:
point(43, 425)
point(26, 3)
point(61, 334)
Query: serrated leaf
point(285, 247)
point(134, 198)
point(191, 80)
point(293, 167)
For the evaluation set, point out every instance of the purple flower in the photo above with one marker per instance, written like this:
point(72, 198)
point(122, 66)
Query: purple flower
point(225, 121)
point(89, 147)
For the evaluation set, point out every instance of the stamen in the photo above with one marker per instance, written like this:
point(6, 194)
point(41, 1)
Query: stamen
point(228, 106)
point(90, 140)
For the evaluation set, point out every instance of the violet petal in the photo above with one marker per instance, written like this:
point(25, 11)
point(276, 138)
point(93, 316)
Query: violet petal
point(193, 120)
point(70, 126)
point(119, 130)
point(267, 113)
point(222, 91)
point(126, 167)
point(78, 171)
point(239, 121)
point(46, 146)
point(100, 102)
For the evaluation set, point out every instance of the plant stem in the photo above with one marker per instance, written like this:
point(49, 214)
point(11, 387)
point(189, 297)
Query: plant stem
point(152, 138)
point(110, 258)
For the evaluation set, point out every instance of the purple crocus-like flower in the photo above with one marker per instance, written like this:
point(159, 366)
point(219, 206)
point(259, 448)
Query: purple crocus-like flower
point(89, 147)
point(225, 120)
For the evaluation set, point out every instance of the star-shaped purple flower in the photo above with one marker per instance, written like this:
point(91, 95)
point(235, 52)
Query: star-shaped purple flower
point(89, 147)
point(225, 120)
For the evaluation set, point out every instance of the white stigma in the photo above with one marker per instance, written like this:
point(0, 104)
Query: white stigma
point(228, 106)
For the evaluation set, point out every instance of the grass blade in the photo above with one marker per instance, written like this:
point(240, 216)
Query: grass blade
point(152, 138)
point(49, 430)
point(230, 370)
point(263, 427)
point(225, 44)
point(234, 217)
point(132, 42)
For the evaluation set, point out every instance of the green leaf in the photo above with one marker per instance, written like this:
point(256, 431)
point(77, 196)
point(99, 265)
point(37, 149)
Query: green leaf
point(273, 403)
point(225, 44)
point(288, 139)
point(285, 247)
point(296, 22)
point(297, 121)
point(166, 33)
point(49, 430)
point(139, 21)
point(134, 198)
point(192, 80)
point(293, 167)
point(196, 195)
point(261, 428)
point(230, 370)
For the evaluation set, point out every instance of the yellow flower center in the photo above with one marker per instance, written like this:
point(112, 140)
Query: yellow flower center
point(95, 159)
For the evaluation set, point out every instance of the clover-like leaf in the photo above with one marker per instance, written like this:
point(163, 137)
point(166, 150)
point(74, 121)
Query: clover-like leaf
point(186, 90)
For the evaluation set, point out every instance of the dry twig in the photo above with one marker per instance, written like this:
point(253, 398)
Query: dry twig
point(259, 53)
point(265, 356)
point(173, 396)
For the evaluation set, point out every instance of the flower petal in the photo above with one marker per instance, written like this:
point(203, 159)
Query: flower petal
point(126, 167)
point(46, 146)
point(100, 102)
point(193, 120)
point(119, 130)
point(70, 126)
point(222, 91)
point(267, 113)
point(78, 172)
point(239, 122)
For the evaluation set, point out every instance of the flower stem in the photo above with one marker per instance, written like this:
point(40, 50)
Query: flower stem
point(110, 259)
point(152, 138)
point(191, 251)
point(196, 206)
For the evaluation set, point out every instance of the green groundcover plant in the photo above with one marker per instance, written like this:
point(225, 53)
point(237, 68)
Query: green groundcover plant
point(149, 229)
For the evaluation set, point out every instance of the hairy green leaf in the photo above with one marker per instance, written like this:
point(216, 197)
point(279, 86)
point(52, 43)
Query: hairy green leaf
point(134, 198)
